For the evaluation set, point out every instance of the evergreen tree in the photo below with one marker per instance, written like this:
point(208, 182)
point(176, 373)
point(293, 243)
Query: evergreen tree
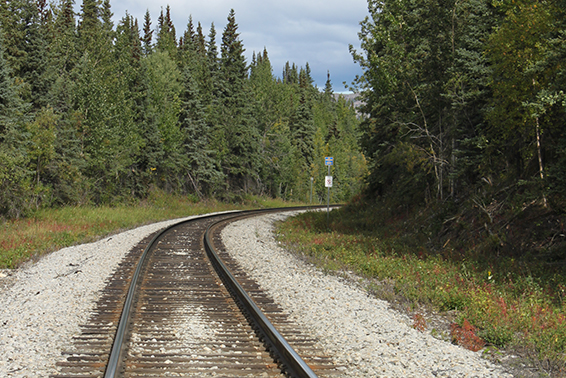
point(162, 159)
point(147, 39)
point(201, 169)
point(239, 157)
point(290, 74)
point(15, 179)
point(208, 89)
point(200, 41)
point(90, 25)
point(328, 91)
point(65, 173)
point(166, 35)
point(64, 52)
point(302, 124)
point(410, 123)
point(269, 112)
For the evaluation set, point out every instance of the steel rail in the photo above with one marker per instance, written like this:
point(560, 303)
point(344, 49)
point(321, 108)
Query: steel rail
point(291, 362)
point(289, 359)
point(118, 347)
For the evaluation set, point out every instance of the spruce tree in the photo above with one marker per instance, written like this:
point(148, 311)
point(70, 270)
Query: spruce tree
point(163, 158)
point(89, 26)
point(209, 87)
point(201, 169)
point(15, 179)
point(302, 124)
point(166, 35)
point(147, 38)
point(241, 159)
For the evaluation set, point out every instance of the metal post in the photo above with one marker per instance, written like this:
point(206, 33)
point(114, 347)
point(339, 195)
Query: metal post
point(328, 204)
point(312, 178)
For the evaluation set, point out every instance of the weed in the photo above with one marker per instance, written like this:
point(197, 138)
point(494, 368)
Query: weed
point(465, 335)
point(419, 322)
point(502, 301)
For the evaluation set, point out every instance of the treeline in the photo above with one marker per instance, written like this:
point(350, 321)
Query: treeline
point(465, 98)
point(95, 113)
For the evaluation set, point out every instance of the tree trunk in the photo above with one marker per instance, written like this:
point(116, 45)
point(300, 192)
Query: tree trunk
point(540, 166)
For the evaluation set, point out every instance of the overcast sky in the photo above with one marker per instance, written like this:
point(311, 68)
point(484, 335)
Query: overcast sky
point(299, 31)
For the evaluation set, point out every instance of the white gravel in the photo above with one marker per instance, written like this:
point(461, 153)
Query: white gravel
point(361, 333)
point(42, 305)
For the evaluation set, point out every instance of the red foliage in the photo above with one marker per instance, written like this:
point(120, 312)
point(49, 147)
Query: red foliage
point(419, 322)
point(465, 335)
point(318, 241)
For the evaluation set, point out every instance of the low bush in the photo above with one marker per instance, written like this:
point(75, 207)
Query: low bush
point(502, 300)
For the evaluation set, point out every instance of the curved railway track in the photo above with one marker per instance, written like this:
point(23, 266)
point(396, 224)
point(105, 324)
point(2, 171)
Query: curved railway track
point(178, 305)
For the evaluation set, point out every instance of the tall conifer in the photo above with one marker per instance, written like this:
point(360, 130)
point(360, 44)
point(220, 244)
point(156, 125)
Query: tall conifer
point(240, 162)
point(202, 169)
point(14, 177)
point(147, 38)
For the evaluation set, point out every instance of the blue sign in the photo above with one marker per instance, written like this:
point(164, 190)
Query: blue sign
point(329, 160)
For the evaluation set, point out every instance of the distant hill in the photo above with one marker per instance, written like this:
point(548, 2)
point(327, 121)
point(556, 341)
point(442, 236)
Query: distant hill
point(352, 97)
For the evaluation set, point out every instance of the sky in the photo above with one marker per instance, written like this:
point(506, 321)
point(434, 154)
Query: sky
point(299, 31)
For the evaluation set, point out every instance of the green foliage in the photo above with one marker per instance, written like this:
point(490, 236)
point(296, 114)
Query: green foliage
point(462, 92)
point(237, 132)
point(113, 114)
point(501, 298)
point(166, 35)
point(201, 167)
point(162, 152)
point(15, 188)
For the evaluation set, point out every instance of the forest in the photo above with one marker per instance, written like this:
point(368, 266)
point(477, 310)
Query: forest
point(96, 113)
point(464, 97)
point(465, 105)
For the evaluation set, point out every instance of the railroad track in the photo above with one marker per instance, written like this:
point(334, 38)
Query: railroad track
point(179, 305)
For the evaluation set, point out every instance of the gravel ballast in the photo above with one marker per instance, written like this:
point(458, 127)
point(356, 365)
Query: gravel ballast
point(361, 332)
point(42, 305)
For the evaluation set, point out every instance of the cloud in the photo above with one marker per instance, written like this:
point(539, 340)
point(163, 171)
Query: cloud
point(299, 31)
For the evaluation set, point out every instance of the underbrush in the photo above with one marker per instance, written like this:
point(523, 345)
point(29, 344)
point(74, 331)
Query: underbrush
point(47, 230)
point(503, 297)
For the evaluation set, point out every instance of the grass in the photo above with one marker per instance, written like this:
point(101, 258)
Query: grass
point(48, 230)
point(500, 301)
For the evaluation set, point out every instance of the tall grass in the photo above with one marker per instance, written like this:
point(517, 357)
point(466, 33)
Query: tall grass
point(51, 229)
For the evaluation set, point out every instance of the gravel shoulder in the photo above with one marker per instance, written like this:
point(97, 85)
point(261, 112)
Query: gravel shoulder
point(361, 332)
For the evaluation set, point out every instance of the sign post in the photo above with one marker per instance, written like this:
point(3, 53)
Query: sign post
point(312, 178)
point(329, 161)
